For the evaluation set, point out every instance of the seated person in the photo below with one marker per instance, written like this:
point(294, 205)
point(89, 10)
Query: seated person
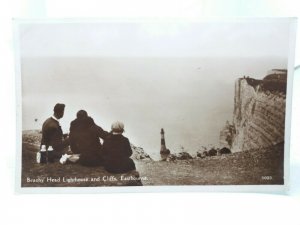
point(52, 134)
point(84, 139)
point(117, 150)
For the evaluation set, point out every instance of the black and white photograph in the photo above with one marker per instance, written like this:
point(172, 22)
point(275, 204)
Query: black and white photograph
point(146, 103)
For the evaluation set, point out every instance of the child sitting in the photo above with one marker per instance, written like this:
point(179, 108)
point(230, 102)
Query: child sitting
point(117, 150)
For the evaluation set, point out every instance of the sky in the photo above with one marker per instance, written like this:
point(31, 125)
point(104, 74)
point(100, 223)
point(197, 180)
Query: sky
point(176, 76)
point(243, 38)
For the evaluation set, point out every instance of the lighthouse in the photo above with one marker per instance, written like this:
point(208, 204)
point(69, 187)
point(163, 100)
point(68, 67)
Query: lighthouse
point(163, 149)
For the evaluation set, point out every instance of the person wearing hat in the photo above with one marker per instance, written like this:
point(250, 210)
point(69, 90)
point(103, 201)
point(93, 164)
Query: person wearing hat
point(52, 134)
point(84, 139)
point(117, 151)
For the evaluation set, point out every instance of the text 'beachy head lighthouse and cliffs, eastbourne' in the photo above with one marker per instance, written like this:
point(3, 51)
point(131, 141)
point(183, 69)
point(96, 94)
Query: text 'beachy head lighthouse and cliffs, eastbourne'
point(153, 104)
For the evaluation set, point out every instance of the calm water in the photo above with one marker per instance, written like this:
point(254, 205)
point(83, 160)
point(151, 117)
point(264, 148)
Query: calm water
point(191, 98)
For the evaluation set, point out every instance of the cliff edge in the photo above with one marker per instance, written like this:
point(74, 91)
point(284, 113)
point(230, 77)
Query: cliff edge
point(259, 113)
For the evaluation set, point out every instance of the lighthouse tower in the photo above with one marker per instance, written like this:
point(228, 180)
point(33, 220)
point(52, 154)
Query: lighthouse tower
point(163, 149)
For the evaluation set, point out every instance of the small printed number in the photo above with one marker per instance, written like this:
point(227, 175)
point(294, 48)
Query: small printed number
point(266, 177)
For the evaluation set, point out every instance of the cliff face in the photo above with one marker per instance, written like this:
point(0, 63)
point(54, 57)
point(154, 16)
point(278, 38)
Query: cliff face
point(259, 114)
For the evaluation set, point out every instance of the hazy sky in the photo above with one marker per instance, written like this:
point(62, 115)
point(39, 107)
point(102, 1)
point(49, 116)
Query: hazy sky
point(226, 39)
point(176, 76)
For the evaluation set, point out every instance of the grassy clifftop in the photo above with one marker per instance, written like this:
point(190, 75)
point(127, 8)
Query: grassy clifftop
point(69, 175)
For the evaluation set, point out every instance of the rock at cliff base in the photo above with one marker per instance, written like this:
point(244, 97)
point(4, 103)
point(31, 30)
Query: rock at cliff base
point(138, 153)
point(224, 150)
point(212, 152)
point(178, 156)
point(183, 156)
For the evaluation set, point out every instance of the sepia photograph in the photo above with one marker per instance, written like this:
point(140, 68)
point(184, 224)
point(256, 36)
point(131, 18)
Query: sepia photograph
point(145, 103)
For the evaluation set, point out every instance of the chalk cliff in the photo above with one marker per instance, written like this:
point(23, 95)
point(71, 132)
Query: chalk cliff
point(259, 113)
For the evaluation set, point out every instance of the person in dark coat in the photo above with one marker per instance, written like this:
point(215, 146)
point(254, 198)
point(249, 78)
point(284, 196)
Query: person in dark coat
point(117, 150)
point(52, 134)
point(84, 139)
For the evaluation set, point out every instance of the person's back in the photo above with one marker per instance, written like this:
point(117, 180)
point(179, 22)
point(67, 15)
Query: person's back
point(117, 146)
point(52, 134)
point(84, 139)
point(117, 151)
point(50, 127)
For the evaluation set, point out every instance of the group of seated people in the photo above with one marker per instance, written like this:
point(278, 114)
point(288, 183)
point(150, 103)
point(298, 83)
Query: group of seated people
point(84, 141)
point(113, 154)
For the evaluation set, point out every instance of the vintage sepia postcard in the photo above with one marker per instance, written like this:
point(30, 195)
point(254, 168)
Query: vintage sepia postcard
point(142, 106)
